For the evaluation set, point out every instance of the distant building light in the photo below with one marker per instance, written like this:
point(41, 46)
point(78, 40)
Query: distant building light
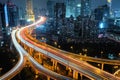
point(109, 1)
point(40, 26)
point(100, 35)
point(101, 25)
point(28, 20)
point(105, 14)
point(6, 15)
point(78, 5)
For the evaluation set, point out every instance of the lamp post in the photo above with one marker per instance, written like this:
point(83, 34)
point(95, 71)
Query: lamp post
point(101, 54)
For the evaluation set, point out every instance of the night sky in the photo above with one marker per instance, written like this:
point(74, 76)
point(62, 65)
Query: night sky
point(42, 3)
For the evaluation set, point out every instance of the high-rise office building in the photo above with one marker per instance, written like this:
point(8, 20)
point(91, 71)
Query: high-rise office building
point(29, 9)
point(109, 2)
point(72, 8)
point(85, 7)
point(10, 14)
point(102, 12)
point(50, 7)
point(59, 10)
point(59, 14)
point(0, 15)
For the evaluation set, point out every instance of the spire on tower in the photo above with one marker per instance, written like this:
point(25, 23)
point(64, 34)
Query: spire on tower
point(29, 9)
point(110, 5)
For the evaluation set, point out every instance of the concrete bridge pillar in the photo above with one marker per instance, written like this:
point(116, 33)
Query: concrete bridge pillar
point(38, 56)
point(36, 74)
point(102, 66)
point(41, 58)
point(24, 45)
point(48, 77)
point(75, 75)
point(54, 65)
point(69, 71)
point(81, 75)
point(30, 51)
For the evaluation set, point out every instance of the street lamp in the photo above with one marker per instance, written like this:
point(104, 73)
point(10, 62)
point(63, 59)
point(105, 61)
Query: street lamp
point(71, 47)
point(85, 51)
point(119, 54)
point(101, 53)
point(55, 43)
point(59, 46)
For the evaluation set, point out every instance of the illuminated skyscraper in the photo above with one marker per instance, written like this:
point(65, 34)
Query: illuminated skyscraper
point(72, 8)
point(109, 2)
point(85, 7)
point(10, 14)
point(50, 7)
point(29, 9)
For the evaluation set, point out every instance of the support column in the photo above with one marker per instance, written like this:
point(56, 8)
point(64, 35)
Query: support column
point(25, 47)
point(27, 63)
point(102, 66)
point(81, 76)
point(48, 77)
point(38, 57)
point(31, 51)
point(36, 74)
point(67, 69)
point(54, 65)
point(41, 56)
point(75, 75)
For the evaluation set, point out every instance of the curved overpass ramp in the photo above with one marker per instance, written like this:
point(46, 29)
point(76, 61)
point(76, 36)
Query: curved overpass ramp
point(20, 64)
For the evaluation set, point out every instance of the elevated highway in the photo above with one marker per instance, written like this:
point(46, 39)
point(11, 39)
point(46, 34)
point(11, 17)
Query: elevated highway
point(28, 47)
point(23, 60)
point(60, 57)
point(19, 66)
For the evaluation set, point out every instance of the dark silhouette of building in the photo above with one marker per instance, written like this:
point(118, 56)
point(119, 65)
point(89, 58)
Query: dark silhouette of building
point(2, 16)
point(102, 12)
point(59, 15)
point(50, 7)
point(60, 10)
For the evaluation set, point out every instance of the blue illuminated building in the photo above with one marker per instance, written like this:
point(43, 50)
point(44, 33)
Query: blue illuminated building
point(11, 14)
point(73, 8)
point(70, 8)
point(102, 15)
point(85, 7)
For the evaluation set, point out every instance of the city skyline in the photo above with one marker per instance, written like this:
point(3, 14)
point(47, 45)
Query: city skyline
point(59, 40)
point(42, 3)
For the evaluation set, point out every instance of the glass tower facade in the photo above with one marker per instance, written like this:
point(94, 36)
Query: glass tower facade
point(85, 7)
